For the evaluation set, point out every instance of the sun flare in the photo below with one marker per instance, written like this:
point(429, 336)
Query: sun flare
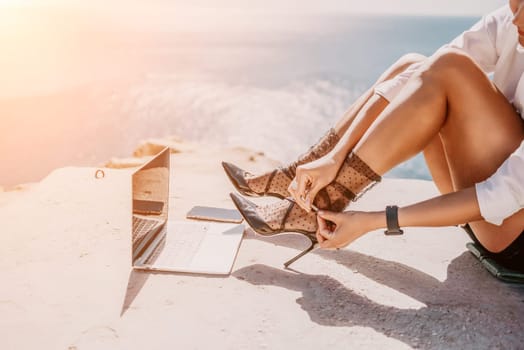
point(15, 2)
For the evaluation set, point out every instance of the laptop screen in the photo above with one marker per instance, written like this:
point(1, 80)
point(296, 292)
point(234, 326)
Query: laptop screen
point(150, 201)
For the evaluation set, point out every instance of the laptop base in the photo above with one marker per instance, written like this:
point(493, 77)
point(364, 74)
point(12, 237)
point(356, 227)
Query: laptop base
point(193, 247)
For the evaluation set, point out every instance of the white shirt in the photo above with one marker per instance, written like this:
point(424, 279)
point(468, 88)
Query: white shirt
point(493, 43)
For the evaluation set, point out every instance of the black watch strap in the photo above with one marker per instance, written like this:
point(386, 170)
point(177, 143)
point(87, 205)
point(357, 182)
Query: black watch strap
point(392, 221)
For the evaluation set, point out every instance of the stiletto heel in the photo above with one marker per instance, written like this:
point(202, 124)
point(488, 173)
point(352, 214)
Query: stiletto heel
point(313, 244)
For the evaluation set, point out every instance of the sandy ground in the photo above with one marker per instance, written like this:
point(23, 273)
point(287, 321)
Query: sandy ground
point(66, 280)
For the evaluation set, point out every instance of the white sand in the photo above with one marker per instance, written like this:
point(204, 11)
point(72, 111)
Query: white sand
point(66, 281)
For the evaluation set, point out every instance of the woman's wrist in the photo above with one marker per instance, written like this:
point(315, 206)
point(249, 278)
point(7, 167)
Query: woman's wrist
point(338, 155)
point(376, 220)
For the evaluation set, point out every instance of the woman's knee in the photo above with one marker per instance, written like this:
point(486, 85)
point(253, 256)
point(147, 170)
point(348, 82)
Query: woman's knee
point(449, 63)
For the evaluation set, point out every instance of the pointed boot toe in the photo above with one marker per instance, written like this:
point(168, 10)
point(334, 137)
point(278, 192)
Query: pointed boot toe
point(237, 177)
point(248, 211)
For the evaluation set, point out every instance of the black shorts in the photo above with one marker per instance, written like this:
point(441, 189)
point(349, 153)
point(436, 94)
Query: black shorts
point(512, 257)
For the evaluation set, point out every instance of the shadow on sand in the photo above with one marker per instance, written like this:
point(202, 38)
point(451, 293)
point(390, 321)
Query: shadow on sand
point(470, 309)
point(138, 278)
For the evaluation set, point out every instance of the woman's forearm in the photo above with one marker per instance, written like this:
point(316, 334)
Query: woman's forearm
point(359, 124)
point(446, 210)
point(450, 209)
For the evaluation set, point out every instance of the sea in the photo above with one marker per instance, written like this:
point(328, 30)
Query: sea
point(274, 83)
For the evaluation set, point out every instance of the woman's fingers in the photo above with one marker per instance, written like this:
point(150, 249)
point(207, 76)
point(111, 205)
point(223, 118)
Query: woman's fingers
point(323, 231)
point(292, 188)
point(312, 193)
point(320, 238)
point(327, 244)
point(330, 216)
point(337, 230)
point(327, 228)
point(304, 185)
point(321, 223)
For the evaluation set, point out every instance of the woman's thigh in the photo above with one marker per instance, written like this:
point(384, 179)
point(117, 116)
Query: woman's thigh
point(480, 132)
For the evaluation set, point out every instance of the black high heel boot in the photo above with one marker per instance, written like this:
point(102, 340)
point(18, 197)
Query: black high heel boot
point(287, 217)
point(276, 182)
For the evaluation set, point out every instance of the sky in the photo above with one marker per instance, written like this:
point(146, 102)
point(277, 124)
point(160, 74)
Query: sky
point(206, 15)
point(448, 7)
point(40, 35)
point(420, 7)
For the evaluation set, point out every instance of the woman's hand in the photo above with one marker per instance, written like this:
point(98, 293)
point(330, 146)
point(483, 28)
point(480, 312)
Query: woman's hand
point(337, 230)
point(311, 178)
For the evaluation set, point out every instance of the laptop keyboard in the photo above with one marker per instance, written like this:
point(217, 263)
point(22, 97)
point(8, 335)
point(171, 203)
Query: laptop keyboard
point(179, 247)
point(141, 227)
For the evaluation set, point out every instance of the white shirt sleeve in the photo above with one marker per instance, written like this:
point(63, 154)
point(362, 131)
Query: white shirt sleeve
point(389, 89)
point(502, 194)
point(478, 42)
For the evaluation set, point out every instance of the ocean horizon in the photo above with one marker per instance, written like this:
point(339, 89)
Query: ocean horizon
point(274, 85)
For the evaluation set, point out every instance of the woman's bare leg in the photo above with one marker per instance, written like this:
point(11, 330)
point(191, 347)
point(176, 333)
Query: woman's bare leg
point(352, 113)
point(437, 162)
point(452, 99)
point(359, 116)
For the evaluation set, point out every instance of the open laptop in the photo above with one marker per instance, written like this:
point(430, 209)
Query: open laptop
point(178, 246)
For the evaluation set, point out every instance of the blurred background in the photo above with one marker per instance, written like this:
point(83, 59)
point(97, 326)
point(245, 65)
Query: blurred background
point(81, 82)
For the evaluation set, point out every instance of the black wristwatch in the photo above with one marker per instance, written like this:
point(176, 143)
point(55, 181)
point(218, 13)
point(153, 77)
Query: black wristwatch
point(392, 221)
